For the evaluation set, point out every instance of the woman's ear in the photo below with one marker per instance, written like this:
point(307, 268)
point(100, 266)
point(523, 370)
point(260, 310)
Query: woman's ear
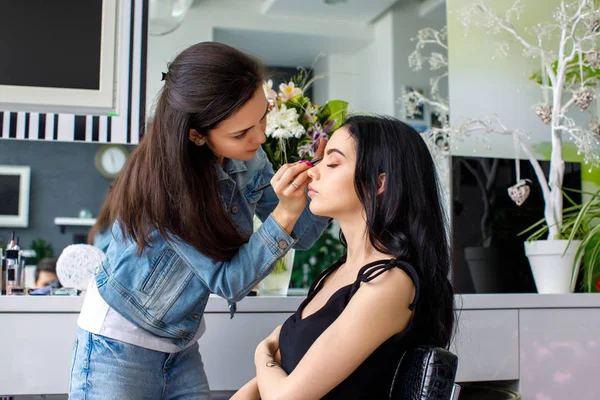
point(380, 184)
point(196, 137)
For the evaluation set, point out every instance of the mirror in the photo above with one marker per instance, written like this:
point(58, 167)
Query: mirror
point(360, 49)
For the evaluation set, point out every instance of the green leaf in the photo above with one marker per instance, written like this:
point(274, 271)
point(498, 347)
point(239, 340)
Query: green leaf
point(333, 110)
point(572, 73)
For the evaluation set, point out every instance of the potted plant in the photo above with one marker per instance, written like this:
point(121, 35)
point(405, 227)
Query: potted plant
point(294, 127)
point(42, 250)
point(586, 229)
point(585, 235)
point(569, 78)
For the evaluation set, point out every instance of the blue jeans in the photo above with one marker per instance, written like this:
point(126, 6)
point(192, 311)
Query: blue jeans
point(106, 369)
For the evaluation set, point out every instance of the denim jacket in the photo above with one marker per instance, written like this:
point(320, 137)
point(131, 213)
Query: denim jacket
point(165, 290)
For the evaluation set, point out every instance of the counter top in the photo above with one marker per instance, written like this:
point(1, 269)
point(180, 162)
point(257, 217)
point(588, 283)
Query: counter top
point(71, 304)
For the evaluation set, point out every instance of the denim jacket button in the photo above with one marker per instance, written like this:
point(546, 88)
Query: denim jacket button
point(235, 209)
point(282, 244)
point(195, 316)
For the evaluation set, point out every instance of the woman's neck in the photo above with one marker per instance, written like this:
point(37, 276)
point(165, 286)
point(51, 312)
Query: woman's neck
point(360, 249)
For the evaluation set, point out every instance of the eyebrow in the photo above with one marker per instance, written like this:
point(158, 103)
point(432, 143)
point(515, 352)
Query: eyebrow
point(244, 130)
point(335, 151)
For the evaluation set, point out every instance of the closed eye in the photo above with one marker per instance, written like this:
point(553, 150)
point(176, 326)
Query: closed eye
point(332, 165)
point(241, 136)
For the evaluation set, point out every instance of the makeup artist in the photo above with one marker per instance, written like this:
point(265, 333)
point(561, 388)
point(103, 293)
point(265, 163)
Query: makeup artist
point(181, 213)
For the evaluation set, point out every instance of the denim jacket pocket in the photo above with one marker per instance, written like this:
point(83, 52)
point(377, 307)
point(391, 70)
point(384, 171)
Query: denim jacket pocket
point(158, 272)
point(249, 192)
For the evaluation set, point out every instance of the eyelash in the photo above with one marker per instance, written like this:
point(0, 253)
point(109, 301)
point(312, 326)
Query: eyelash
point(332, 165)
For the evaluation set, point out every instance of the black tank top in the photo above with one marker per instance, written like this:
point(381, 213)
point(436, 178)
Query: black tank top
point(372, 379)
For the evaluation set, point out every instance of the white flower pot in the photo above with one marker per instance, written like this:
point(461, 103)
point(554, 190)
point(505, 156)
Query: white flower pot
point(278, 281)
point(553, 272)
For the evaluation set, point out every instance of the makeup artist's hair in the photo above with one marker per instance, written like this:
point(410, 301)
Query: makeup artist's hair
point(168, 183)
point(407, 219)
point(103, 220)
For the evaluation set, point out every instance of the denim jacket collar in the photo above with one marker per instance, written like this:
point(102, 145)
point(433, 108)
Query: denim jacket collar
point(230, 166)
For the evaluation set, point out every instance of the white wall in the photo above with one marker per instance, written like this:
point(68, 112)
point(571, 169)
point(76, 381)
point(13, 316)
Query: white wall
point(375, 67)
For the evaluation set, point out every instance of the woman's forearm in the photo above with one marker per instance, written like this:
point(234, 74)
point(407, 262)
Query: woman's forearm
point(248, 392)
point(269, 375)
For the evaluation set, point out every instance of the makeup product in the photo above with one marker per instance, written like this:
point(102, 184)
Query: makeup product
point(12, 263)
point(16, 245)
point(12, 242)
point(20, 281)
point(263, 187)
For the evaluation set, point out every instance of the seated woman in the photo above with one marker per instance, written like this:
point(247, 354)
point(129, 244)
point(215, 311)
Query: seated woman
point(390, 292)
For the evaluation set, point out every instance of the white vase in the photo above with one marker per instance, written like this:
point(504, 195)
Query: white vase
point(278, 281)
point(553, 272)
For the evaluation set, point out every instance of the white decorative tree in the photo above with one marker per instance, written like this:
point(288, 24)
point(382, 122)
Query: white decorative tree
point(569, 76)
point(442, 139)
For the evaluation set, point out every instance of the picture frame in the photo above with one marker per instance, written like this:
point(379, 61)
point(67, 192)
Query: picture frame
point(15, 183)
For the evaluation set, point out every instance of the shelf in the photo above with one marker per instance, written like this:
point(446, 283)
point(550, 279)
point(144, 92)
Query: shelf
point(63, 222)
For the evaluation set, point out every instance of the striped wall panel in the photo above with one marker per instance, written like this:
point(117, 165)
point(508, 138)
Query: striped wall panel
point(126, 127)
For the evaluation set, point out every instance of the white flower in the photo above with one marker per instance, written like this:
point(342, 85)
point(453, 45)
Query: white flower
point(283, 123)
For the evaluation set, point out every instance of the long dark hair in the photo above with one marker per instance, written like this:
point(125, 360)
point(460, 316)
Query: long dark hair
point(407, 220)
point(168, 183)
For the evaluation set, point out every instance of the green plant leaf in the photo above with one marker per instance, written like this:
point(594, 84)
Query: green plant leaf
point(334, 110)
point(572, 73)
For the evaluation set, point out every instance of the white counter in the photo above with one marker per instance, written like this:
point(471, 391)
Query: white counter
point(529, 338)
point(72, 304)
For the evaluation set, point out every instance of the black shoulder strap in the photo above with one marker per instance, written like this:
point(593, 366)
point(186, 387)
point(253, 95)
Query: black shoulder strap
point(374, 269)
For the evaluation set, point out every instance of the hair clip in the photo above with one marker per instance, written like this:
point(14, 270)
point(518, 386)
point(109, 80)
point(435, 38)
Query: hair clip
point(164, 76)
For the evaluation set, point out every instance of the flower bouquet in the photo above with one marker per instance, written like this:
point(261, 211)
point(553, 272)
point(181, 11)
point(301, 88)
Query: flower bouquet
point(294, 127)
point(295, 124)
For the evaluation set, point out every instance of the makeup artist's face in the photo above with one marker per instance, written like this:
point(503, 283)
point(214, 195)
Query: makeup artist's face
point(332, 189)
point(240, 136)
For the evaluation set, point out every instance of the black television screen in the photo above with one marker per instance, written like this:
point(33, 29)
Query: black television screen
point(9, 195)
point(487, 251)
point(52, 44)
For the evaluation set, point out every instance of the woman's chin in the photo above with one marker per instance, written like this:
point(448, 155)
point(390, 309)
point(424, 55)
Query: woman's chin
point(316, 210)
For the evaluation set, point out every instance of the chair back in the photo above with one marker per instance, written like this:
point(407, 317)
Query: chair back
point(425, 373)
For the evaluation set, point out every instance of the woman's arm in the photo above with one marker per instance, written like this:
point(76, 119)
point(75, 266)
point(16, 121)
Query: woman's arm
point(377, 311)
point(250, 390)
point(247, 392)
point(308, 227)
point(233, 279)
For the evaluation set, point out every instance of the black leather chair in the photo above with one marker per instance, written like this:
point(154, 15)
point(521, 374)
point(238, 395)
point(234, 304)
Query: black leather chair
point(425, 373)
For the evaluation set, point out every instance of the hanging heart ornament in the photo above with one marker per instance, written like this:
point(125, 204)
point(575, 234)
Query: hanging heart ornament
point(519, 192)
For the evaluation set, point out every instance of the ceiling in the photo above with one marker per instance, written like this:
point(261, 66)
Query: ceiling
point(267, 46)
point(357, 11)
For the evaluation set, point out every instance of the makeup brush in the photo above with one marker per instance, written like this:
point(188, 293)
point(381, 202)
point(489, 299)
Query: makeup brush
point(263, 187)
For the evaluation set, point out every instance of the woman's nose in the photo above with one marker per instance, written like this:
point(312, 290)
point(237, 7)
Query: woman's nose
point(259, 135)
point(313, 173)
